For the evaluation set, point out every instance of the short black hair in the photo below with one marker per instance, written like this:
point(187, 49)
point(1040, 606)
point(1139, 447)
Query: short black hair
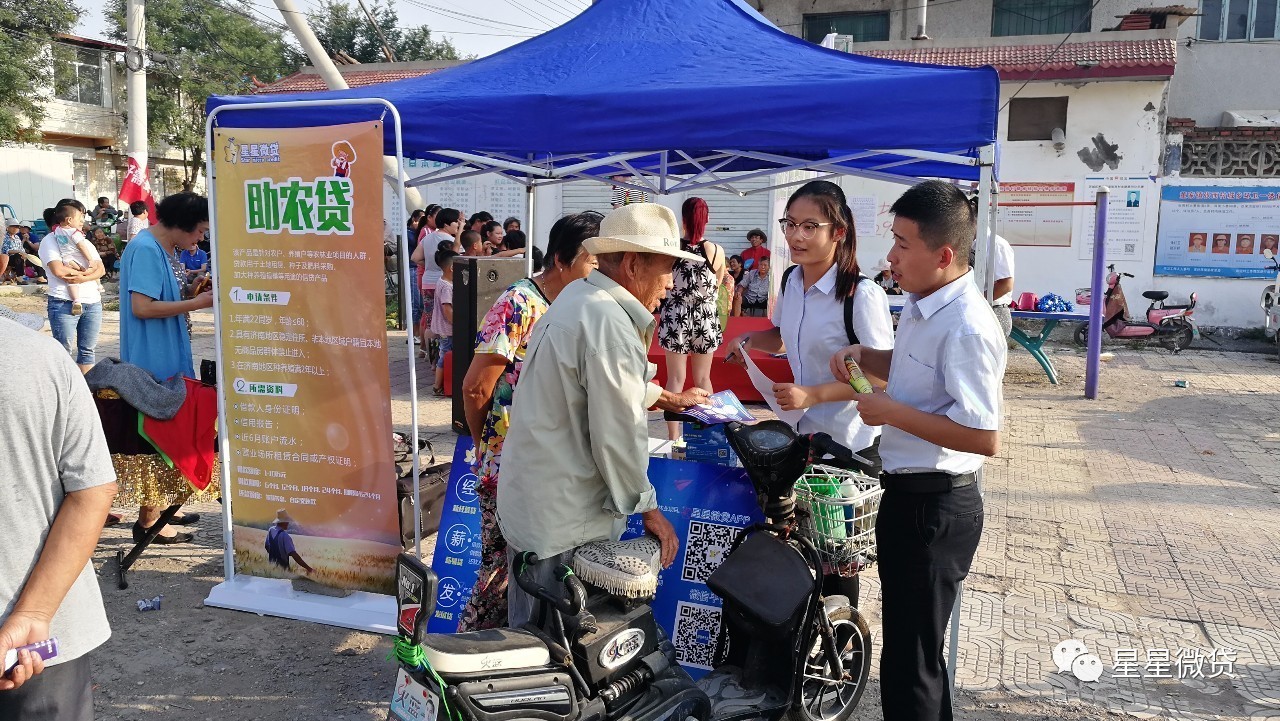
point(447, 216)
point(102, 198)
point(183, 211)
point(482, 216)
point(506, 224)
point(137, 207)
point(565, 241)
point(514, 240)
point(737, 258)
point(945, 215)
point(444, 257)
point(55, 216)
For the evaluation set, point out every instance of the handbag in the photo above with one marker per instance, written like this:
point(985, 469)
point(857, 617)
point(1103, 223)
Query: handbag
point(433, 480)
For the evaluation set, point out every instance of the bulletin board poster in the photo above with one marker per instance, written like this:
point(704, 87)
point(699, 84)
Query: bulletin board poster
point(500, 196)
point(1037, 225)
point(302, 330)
point(1128, 207)
point(1217, 231)
point(706, 503)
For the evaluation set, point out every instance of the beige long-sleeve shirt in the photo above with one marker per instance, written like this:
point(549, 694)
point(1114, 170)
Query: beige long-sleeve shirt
point(575, 460)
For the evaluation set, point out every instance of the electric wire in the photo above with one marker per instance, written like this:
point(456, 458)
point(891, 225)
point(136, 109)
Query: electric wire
point(1042, 66)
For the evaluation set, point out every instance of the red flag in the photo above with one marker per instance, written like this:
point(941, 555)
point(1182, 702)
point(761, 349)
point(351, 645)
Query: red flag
point(137, 186)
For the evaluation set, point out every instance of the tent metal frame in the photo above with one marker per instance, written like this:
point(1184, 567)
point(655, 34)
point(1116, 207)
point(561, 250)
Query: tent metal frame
point(676, 171)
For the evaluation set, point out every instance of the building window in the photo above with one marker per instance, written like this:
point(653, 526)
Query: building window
point(1039, 17)
point(863, 27)
point(1036, 118)
point(79, 75)
point(1239, 19)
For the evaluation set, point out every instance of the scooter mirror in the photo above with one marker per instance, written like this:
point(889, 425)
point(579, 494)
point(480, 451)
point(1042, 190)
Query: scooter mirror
point(415, 596)
point(1268, 254)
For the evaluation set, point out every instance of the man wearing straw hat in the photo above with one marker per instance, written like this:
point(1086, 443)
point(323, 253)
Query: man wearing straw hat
point(279, 544)
point(575, 461)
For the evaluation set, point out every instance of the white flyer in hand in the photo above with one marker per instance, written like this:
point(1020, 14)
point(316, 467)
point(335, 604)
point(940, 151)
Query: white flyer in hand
point(764, 386)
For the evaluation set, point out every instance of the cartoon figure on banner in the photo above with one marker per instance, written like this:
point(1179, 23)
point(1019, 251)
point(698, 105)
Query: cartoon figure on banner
point(232, 151)
point(343, 157)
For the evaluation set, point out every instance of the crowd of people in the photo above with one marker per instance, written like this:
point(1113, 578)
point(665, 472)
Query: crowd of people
point(557, 394)
point(557, 398)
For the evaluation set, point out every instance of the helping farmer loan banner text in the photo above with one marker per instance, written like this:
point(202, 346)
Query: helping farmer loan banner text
point(304, 355)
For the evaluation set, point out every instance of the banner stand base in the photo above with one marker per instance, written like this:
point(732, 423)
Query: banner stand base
point(361, 611)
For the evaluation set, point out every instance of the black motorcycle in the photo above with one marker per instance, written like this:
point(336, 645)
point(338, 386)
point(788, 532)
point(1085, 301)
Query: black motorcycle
point(595, 651)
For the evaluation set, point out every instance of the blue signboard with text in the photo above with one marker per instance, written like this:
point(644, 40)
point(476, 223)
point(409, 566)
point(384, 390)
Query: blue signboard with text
point(707, 504)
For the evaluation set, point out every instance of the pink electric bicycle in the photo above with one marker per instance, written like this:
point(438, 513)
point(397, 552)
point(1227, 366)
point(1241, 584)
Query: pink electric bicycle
point(1172, 325)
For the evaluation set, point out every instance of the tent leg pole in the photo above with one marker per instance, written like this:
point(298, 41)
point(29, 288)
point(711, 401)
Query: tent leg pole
point(984, 263)
point(529, 241)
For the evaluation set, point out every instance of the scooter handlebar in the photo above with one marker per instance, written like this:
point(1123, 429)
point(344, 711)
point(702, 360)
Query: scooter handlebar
point(577, 593)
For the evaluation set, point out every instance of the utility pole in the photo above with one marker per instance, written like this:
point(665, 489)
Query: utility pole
point(137, 146)
point(386, 49)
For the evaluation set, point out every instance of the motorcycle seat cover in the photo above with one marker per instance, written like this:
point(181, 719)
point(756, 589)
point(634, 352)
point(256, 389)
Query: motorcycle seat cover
point(1155, 294)
point(623, 568)
point(491, 650)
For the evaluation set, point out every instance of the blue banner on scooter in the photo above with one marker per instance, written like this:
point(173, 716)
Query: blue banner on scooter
point(707, 504)
point(457, 554)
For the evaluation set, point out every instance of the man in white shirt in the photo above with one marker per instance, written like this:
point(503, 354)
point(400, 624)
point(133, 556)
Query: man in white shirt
point(941, 414)
point(575, 460)
point(1002, 291)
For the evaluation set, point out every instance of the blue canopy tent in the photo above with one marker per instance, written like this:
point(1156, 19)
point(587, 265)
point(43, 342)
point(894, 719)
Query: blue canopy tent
point(675, 95)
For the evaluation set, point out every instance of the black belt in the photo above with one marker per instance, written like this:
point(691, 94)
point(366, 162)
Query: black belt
point(931, 482)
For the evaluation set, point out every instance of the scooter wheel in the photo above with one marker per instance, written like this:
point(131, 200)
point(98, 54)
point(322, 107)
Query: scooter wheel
point(1082, 334)
point(823, 698)
point(1180, 340)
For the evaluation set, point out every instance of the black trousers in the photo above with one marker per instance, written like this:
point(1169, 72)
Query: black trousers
point(61, 693)
point(925, 544)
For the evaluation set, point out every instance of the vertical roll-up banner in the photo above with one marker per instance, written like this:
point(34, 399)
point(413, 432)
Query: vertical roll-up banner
point(304, 365)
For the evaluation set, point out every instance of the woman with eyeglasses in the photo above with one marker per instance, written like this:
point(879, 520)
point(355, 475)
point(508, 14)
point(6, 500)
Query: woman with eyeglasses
point(823, 305)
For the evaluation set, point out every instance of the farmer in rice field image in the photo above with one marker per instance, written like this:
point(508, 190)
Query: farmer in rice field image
point(279, 544)
point(343, 156)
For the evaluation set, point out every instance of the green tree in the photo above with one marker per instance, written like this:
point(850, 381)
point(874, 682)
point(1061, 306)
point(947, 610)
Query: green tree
point(200, 48)
point(26, 74)
point(341, 27)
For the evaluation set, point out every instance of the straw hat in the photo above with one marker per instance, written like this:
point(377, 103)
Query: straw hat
point(282, 516)
point(29, 320)
point(640, 228)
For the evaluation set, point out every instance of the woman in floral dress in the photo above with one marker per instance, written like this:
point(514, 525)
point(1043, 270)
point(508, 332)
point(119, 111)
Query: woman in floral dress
point(489, 386)
point(689, 324)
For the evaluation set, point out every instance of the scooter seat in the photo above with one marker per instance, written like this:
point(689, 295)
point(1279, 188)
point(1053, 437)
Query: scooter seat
point(497, 649)
point(1155, 294)
point(621, 568)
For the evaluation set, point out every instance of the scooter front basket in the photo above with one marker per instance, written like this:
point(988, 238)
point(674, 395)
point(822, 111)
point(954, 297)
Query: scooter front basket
point(841, 506)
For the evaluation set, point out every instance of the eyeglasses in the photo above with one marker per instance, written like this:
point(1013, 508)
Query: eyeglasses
point(807, 229)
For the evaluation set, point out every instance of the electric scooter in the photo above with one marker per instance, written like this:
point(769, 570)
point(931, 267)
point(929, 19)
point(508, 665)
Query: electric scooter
point(596, 651)
point(1173, 325)
point(1271, 302)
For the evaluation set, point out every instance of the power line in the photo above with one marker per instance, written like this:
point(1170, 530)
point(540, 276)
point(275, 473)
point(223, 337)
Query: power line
point(1080, 24)
point(552, 9)
point(530, 13)
point(495, 24)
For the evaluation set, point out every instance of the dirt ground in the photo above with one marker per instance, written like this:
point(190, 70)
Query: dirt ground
point(187, 661)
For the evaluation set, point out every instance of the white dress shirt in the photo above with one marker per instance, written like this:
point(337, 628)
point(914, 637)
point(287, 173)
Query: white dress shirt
point(1003, 267)
point(949, 360)
point(812, 326)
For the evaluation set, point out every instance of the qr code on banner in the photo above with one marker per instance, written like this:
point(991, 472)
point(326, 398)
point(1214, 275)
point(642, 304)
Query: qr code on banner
point(697, 628)
point(705, 549)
